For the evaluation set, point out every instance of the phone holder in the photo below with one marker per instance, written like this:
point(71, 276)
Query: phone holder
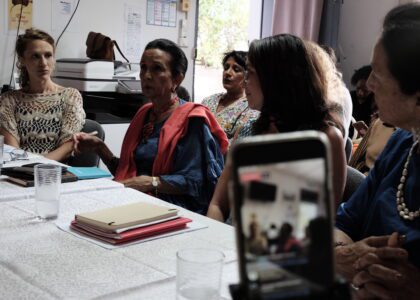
point(340, 291)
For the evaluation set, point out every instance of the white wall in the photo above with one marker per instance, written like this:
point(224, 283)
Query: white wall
point(360, 25)
point(105, 16)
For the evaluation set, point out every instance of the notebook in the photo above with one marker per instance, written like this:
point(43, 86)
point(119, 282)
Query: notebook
point(133, 234)
point(114, 218)
point(89, 172)
point(24, 175)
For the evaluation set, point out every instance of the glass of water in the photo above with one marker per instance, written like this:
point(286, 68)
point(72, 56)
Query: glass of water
point(199, 273)
point(47, 191)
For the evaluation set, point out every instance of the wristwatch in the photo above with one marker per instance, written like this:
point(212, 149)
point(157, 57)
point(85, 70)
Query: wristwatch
point(155, 184)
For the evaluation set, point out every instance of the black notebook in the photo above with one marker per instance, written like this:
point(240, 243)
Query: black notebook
point(24, 175)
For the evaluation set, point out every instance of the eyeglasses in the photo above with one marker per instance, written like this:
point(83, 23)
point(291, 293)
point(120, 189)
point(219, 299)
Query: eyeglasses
point(16, 154)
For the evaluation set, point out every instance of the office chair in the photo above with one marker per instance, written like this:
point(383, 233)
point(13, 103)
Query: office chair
point(88, 159)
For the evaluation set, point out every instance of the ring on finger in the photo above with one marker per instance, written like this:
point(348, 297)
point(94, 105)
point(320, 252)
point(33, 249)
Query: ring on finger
point(355, 287)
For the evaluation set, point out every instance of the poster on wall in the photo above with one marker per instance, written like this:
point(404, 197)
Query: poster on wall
point(161, 13)
point(61, 12)
point(132, 34)
point(14, 10)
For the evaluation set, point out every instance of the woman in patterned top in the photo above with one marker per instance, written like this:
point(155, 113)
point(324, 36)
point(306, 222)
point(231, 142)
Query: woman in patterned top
point(231, 108)
point(42, 116)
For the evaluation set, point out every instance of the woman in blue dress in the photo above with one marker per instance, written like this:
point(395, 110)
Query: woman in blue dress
point(378, 229)
point(173, 149)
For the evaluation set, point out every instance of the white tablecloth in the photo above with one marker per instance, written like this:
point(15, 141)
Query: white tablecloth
point(38, 260)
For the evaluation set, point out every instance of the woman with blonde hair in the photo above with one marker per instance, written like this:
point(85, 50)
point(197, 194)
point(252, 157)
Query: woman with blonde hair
point(42, 116)
point(338, 96)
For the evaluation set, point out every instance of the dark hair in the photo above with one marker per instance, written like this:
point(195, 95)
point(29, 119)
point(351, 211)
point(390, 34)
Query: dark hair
point(294, 92)
point(179, 62)
point(285, 233)
point(30, 35)
point(401, 41)
point(361, 74)
point(238, 56)
point(183, 93)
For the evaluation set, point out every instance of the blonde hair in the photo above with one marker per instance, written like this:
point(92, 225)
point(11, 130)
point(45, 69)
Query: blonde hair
point(335, 85)
point(31, 34)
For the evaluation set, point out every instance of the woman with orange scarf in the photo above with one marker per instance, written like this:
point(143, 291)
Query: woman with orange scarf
point(173, 149)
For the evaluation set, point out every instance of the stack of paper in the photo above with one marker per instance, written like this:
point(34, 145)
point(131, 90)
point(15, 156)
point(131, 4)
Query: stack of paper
point(128, 222)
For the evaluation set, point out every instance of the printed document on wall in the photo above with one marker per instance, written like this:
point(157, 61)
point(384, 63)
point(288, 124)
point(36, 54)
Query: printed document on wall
point(132, 34)
point(61, 11)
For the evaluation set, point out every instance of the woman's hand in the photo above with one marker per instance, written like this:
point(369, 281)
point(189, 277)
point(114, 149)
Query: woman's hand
point(141, 183)
point(386, 276)
point(83, 142)
point(347, 255)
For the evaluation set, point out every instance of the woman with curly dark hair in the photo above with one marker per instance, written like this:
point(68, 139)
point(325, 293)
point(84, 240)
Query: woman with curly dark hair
point(289, 88)
point(231, 108)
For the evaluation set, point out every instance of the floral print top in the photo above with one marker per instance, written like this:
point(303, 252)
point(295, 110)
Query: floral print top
point(232, 117)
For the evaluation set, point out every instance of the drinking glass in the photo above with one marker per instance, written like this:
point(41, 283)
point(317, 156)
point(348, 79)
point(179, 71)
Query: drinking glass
point(47, 191)
point(199, 274)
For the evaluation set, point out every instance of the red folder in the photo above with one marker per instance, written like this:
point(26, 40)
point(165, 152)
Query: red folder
point(134, 234)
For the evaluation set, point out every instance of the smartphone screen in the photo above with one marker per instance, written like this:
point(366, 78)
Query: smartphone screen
point(283, 219)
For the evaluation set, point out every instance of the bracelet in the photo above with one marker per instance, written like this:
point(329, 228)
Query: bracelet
point(339, 244)
point(155, 184)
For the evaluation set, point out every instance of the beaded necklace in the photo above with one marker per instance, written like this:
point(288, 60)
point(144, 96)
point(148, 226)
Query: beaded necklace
point(155, 114)
point(403, 211)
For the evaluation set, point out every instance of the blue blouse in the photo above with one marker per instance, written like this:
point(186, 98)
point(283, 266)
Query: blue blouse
point(197, 164)
point(372, 210)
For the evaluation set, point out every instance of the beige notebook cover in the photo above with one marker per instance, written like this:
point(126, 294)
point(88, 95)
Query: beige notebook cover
point(111, 219)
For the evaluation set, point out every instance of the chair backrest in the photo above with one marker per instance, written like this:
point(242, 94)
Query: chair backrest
point(353, 180)
point(88, 159)
point(348, 147)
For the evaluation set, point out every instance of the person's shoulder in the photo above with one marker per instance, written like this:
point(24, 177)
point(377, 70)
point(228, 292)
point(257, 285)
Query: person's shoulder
point(71, 95)
point(70, 91)
point(399, 139)
point(212, 98)
point(10, 97)
point(11, 94)
point(334, 134)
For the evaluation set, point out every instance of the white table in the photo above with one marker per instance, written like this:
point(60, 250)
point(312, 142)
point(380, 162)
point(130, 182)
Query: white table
point(40, 261)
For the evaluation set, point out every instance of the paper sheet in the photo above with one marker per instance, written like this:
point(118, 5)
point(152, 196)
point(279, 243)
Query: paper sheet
point(132, 34)
point(161, 13)
point(61, 11)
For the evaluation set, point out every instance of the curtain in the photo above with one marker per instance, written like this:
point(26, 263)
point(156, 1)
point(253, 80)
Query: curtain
point(407, 1)
point(330, 21)
point(299, 17)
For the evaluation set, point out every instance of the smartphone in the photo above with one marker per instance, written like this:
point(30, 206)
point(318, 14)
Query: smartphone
point(282, 204)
